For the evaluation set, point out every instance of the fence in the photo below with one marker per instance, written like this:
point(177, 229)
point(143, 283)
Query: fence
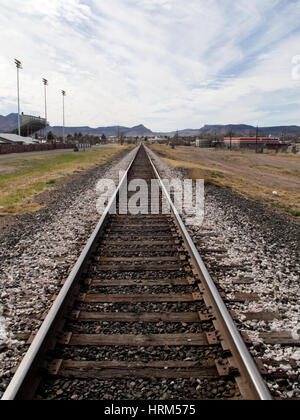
point(20, 148)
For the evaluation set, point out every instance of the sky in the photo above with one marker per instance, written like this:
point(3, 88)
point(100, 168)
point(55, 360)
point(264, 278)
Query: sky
point(167, 64)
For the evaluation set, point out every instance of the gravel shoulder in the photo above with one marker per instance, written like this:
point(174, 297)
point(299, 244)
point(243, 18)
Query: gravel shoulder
point(262, 246)
point(38, 251)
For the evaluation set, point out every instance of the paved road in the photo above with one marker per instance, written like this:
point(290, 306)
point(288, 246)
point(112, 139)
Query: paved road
point(45, 152)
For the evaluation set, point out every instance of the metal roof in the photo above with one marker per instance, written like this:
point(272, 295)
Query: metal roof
point(4, 141)
point(15, 138)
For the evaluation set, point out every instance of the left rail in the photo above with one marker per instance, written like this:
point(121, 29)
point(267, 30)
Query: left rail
point(26, 379)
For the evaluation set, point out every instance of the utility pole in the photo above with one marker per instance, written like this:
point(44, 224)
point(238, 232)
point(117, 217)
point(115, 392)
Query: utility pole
point(231, 139)
point(63, 96)
point(19, 66)
point(45, 94)
point(256, 143)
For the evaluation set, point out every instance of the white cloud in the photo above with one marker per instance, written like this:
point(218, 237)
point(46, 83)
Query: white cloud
point(155, 4)
point(165, 63)
point(71, 10)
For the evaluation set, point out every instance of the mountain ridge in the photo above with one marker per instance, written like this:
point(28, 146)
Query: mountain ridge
point(9, 123)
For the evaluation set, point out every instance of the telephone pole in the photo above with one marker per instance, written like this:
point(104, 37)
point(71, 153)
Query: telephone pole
point(63, 96)
point(256, 143)
point(45, 95)
point(19, 66)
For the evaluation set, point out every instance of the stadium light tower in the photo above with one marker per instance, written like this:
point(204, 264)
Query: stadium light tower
point(45, 81)
point(19, 66)
point(63, 96)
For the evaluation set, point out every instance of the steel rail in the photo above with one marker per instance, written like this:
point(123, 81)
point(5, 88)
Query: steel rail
point(23, 376)
point(247, 366)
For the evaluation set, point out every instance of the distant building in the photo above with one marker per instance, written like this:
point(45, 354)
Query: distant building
point(31, 124)
point(4, 141)
point(252, 143)
point(203, 142)
point(6, 138)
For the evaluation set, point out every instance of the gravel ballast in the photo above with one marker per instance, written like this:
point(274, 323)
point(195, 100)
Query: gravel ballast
point(262, 247)
point(38, 252)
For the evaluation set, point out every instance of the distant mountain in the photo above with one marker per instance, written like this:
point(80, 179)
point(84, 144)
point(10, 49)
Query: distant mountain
point(239, 129)
point(224, 129)
point(291, 130)
point(249, 130)
point(214, 129)
point(188, 132)
point(10, 122)
point(138, 130)
point(108, 131)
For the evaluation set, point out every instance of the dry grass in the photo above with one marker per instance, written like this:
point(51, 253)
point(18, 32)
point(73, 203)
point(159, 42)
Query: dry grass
point(23, 178)
point(277, 170)
point(255, 176)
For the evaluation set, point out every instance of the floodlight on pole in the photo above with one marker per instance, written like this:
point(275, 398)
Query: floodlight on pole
point(63, 96)
point(19, 66)
point(45, 82)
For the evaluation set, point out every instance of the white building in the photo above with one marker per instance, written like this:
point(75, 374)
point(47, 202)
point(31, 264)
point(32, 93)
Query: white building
point(7, 138)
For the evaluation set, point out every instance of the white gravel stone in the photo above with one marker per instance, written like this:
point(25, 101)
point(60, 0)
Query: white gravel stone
point(296, 355)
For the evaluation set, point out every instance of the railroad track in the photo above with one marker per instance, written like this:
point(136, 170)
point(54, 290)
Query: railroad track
point(139, 315)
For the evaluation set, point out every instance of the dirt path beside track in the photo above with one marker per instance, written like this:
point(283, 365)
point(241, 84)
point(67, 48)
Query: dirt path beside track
point(273, 179)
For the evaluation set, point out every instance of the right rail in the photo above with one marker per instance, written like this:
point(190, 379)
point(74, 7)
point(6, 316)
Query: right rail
point(230, 333)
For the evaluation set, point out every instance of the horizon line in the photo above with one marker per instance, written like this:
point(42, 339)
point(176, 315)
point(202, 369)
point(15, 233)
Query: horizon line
point(167, 131)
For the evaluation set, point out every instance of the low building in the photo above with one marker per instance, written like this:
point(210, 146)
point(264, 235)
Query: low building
point(4, 141)
point(203, 142)
point(15, 139)
point(253, 143)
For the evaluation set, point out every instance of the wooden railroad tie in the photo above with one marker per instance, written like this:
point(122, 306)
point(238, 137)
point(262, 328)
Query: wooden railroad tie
point(149, 340)
point(129, 298)
point(121, 369)
point(180, 317)
point(134, 259)
point(140, 267)
point(185, 281)
point(280, 337)
point(141, 243)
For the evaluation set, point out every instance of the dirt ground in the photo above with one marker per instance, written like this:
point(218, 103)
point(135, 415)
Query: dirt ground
point(30, 183)
point(23, 178)
point(271, 178)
